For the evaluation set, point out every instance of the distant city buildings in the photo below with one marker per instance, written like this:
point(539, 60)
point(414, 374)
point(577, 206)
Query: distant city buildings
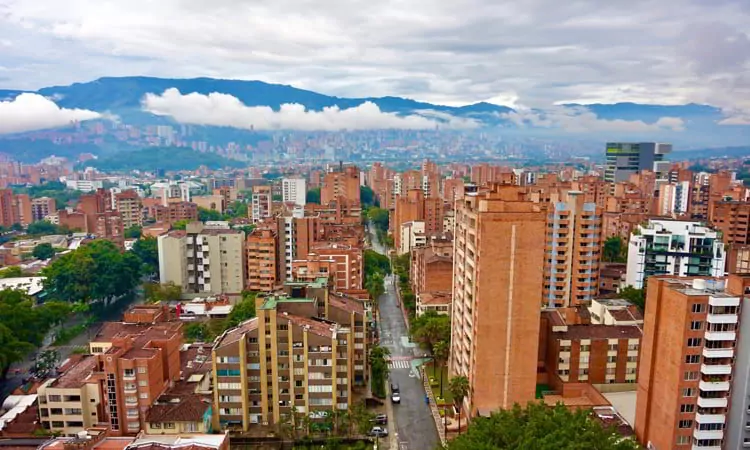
point(626, 159)
point(294, 191)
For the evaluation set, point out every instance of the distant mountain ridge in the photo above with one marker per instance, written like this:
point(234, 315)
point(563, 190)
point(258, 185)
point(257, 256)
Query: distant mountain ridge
point(123, 95)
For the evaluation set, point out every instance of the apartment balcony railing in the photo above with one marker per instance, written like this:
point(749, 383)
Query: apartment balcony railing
point(716, 369)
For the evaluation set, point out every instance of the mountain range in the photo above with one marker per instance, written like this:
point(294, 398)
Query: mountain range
point(696, 125)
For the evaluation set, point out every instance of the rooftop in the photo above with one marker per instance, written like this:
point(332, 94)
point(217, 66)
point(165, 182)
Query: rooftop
point(346, 303)
point(31, 285)
point(272, 301)
point(235, 334)
point(435, 298)
point(311, 325)
point(77, 375)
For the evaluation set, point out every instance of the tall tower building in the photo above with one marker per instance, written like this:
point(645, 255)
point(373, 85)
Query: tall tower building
point(293, 191)
point(573, 251)
point(625, 159)
point(495, 319)
point(694, 359)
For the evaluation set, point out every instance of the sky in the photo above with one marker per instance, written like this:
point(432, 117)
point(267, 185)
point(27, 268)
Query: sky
point(523, 54)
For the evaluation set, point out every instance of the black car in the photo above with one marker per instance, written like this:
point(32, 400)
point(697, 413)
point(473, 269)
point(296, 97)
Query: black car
point(380, 419)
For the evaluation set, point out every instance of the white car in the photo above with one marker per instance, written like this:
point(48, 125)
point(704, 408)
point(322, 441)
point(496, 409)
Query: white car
point(378, 432)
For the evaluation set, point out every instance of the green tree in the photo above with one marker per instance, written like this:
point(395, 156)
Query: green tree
point(366, 196)
point(44, 228)
point(374, 262)
point(167, 292)
point(209, 215)
point(11, 348)
point(196, 332)
point(379, 368)
point(634, 296)
point(237, 210)
point(613, 249)
point(133, 232)
point(379, 218)
point(98, 270)
point(43, 251)
point(243, 310)
point(180, 224)
point(374, 285)
point(540, 427)
point(459, 387)
point(147, 251)
point(440, 352)
point(11, 272)
point(313, 196)
point(360, 417)
point(431, 328)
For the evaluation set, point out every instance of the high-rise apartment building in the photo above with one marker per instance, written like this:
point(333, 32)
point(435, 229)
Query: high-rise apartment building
point(627, 158)
point(128, 204)
point(203, 260)
point(261, 203)
point(495, 321)
point(673, 247)
point(694, 365)
point(573, 251)
point(174, 212)
point(282, 362)
point(8, 208)
point(41, 208)
point(343, 183)
point(732, 219)
point(414, 206)
point(262, 270)
point(293, 191)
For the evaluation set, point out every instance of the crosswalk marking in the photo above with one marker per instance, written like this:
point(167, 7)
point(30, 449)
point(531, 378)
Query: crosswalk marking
point(399, 364)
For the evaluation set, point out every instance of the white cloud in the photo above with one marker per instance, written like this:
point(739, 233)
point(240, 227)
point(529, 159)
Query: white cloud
point(583, 120)
point(219, 109)
point(29, 112)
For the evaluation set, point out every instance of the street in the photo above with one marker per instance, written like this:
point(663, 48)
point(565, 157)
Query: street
point(412, 425)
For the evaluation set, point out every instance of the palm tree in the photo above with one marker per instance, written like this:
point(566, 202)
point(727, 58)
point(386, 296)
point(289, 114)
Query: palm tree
point(440, 353)
point(459, 387)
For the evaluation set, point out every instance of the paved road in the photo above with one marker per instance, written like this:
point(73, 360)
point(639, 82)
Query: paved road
point(414, 424)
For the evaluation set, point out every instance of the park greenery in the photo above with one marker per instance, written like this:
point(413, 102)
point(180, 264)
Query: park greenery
point(147, 251)
point(156, 292)
point(133, 232)
point(12, 272)
point(45, 228)
point(207, 331)
point(23, 325)
point(540, 427)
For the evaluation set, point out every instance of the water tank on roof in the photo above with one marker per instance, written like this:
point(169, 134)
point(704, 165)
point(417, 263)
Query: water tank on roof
point(719, 285)
point(699, 284)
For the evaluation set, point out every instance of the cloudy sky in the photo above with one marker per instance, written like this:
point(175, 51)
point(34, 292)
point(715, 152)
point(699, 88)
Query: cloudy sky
point(533, 52)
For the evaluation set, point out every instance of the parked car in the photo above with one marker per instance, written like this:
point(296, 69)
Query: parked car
point(396, 397)
point(378, 432)
point(380, 419)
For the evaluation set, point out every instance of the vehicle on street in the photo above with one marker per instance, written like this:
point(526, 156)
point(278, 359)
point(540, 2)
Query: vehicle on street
point(380, 419)
point(395, 393)
point(378, 432)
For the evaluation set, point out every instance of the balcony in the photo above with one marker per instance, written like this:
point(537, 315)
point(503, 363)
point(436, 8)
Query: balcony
point(721, 335)
point(704, 447)
point(723, 301)
point(712, 402)
point(716, 369)
point(713, 386)
point(708, 434)
point(710, 418)
point(722, 318)
point(718, 352)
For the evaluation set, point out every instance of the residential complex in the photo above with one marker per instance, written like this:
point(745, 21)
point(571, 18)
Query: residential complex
point(693, 379)
point(672, 247)
point(495, 324)
point(203, 260)
point(294, 191)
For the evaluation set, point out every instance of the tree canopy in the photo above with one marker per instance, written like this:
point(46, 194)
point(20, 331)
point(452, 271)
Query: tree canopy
point(431, 328)
point(379, 217)
point(95, 271)
point(243, 310)
point(634, 296)
point(614, 250)
point(155, 292)
point(23, 325)
point(133, 232)
point(367, 196)
point(45, 228)
point(43, 251)
point(147, 250)
point(539, 427)
point(313, 196)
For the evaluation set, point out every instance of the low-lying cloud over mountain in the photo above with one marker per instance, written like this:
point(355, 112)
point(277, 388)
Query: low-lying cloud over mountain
point(579, 119)
point(218, 109)
point(29, 112)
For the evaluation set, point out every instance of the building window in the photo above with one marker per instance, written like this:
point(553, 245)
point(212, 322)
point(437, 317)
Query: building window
point(141, 370)
point(692, 359)
point(155, 425)
point(683, 440)
point(688, 392)
point(685, 424)
point(696, 325)
point(585, 348)
point(699, 307)
point(694, 342)
point(687, 408)
point(169, 425)
point(691, 376)
point(611, 359)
